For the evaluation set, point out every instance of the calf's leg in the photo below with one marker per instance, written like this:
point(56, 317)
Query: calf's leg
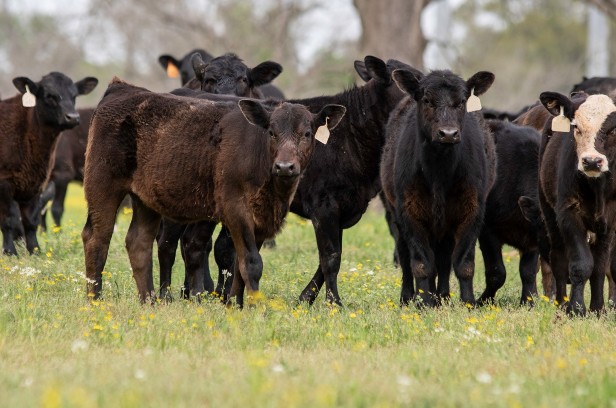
point(491, 250)
point(529, 262)
point(407, 292)
point(329, 244)
point(224, 254)
point(601, 256)
point(57, 205)
point(197, 245)
point(139, 242)
point(96, 236)
point(248, 260)
point(29, 220)
point(168, 237)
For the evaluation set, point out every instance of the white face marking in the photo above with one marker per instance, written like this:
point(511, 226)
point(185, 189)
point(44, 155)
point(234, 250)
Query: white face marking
point(589, 118)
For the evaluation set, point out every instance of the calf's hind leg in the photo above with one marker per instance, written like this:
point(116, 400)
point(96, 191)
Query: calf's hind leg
point(96, 235)
point(139, 243)
point(491, 250)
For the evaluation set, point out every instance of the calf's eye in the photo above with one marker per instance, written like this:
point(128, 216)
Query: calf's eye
point(308, 134)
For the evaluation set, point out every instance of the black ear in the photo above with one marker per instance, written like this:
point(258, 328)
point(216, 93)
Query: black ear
point(86, 85)
point(198, 65)
point(408, 81)
point(360, 68)
point(552, 101)
point(264, 73)
point(330, 115)
point(165, 60)
point(530, 209)
point(21, 82)
point(206, 56)
point(377, 69)
point(480, 82)
point(255, 113)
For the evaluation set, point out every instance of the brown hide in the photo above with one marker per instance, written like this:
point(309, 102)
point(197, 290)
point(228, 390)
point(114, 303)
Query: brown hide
point(192, 160)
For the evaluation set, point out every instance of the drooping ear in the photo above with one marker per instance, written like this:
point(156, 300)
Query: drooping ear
point(21, 82)
point(86, 85)
point(479, 83)
point(255, 113)
point(330, 115)
point(164, 60)
point(377, 69)
point(530, 209)
point(552, 101)
point(360, 68)
point(198, 65)
point(408, 81)
point(264, 73)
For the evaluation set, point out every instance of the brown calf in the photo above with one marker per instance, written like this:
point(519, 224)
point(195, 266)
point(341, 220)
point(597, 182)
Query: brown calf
point(193, 160)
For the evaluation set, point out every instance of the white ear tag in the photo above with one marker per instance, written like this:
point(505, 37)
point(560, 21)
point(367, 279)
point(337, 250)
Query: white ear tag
point(323, 133)
point(473, 103)
point(28, 100)
point(561, 123)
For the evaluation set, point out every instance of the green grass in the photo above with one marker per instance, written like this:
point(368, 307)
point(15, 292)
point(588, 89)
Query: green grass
point(58, 349)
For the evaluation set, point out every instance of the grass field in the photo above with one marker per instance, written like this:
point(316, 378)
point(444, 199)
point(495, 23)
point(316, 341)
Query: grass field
point(59, 350)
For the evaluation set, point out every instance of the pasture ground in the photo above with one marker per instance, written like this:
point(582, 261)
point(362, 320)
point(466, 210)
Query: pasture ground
point(57, 349)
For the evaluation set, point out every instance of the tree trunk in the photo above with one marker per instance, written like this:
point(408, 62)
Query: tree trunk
point(392, 29)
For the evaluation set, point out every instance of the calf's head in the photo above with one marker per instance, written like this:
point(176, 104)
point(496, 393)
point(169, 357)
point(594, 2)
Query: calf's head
point(593, 120)
point(229, 75)
point(291, 129)
point(183, 66)
point(441, 100)
point(55, 97)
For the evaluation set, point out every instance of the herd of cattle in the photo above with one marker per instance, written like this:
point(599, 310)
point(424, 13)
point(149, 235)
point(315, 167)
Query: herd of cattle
point(229, 148)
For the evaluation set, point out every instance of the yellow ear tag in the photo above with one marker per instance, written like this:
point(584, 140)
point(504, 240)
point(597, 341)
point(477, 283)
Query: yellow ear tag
point(561, 123)
point(28, 100)
point(473, 103)
point(172, 71)
point(323, 133)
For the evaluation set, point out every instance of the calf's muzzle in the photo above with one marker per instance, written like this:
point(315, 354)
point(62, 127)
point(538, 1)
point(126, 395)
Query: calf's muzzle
point(286, 169)
point(449, 135)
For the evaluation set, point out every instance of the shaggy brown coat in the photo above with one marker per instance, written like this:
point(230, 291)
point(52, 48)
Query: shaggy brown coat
point(192, 160)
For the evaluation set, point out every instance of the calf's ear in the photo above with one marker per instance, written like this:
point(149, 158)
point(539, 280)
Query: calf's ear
point(198, 65)
point(479, 83)
point(330, 115)
point(164, 60)
point(21, 82)
point(264, 73)
point(255, 113)
point(552, 101)
point(377, 69)
point(86, 85)
point(530, 209)
point(408, 81)
point(360, 68)
point(204, 54)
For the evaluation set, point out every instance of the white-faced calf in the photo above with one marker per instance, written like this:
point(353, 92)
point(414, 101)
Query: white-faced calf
point(577, 193)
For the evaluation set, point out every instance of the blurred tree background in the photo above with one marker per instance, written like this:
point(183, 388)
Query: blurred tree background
point(531, 45)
